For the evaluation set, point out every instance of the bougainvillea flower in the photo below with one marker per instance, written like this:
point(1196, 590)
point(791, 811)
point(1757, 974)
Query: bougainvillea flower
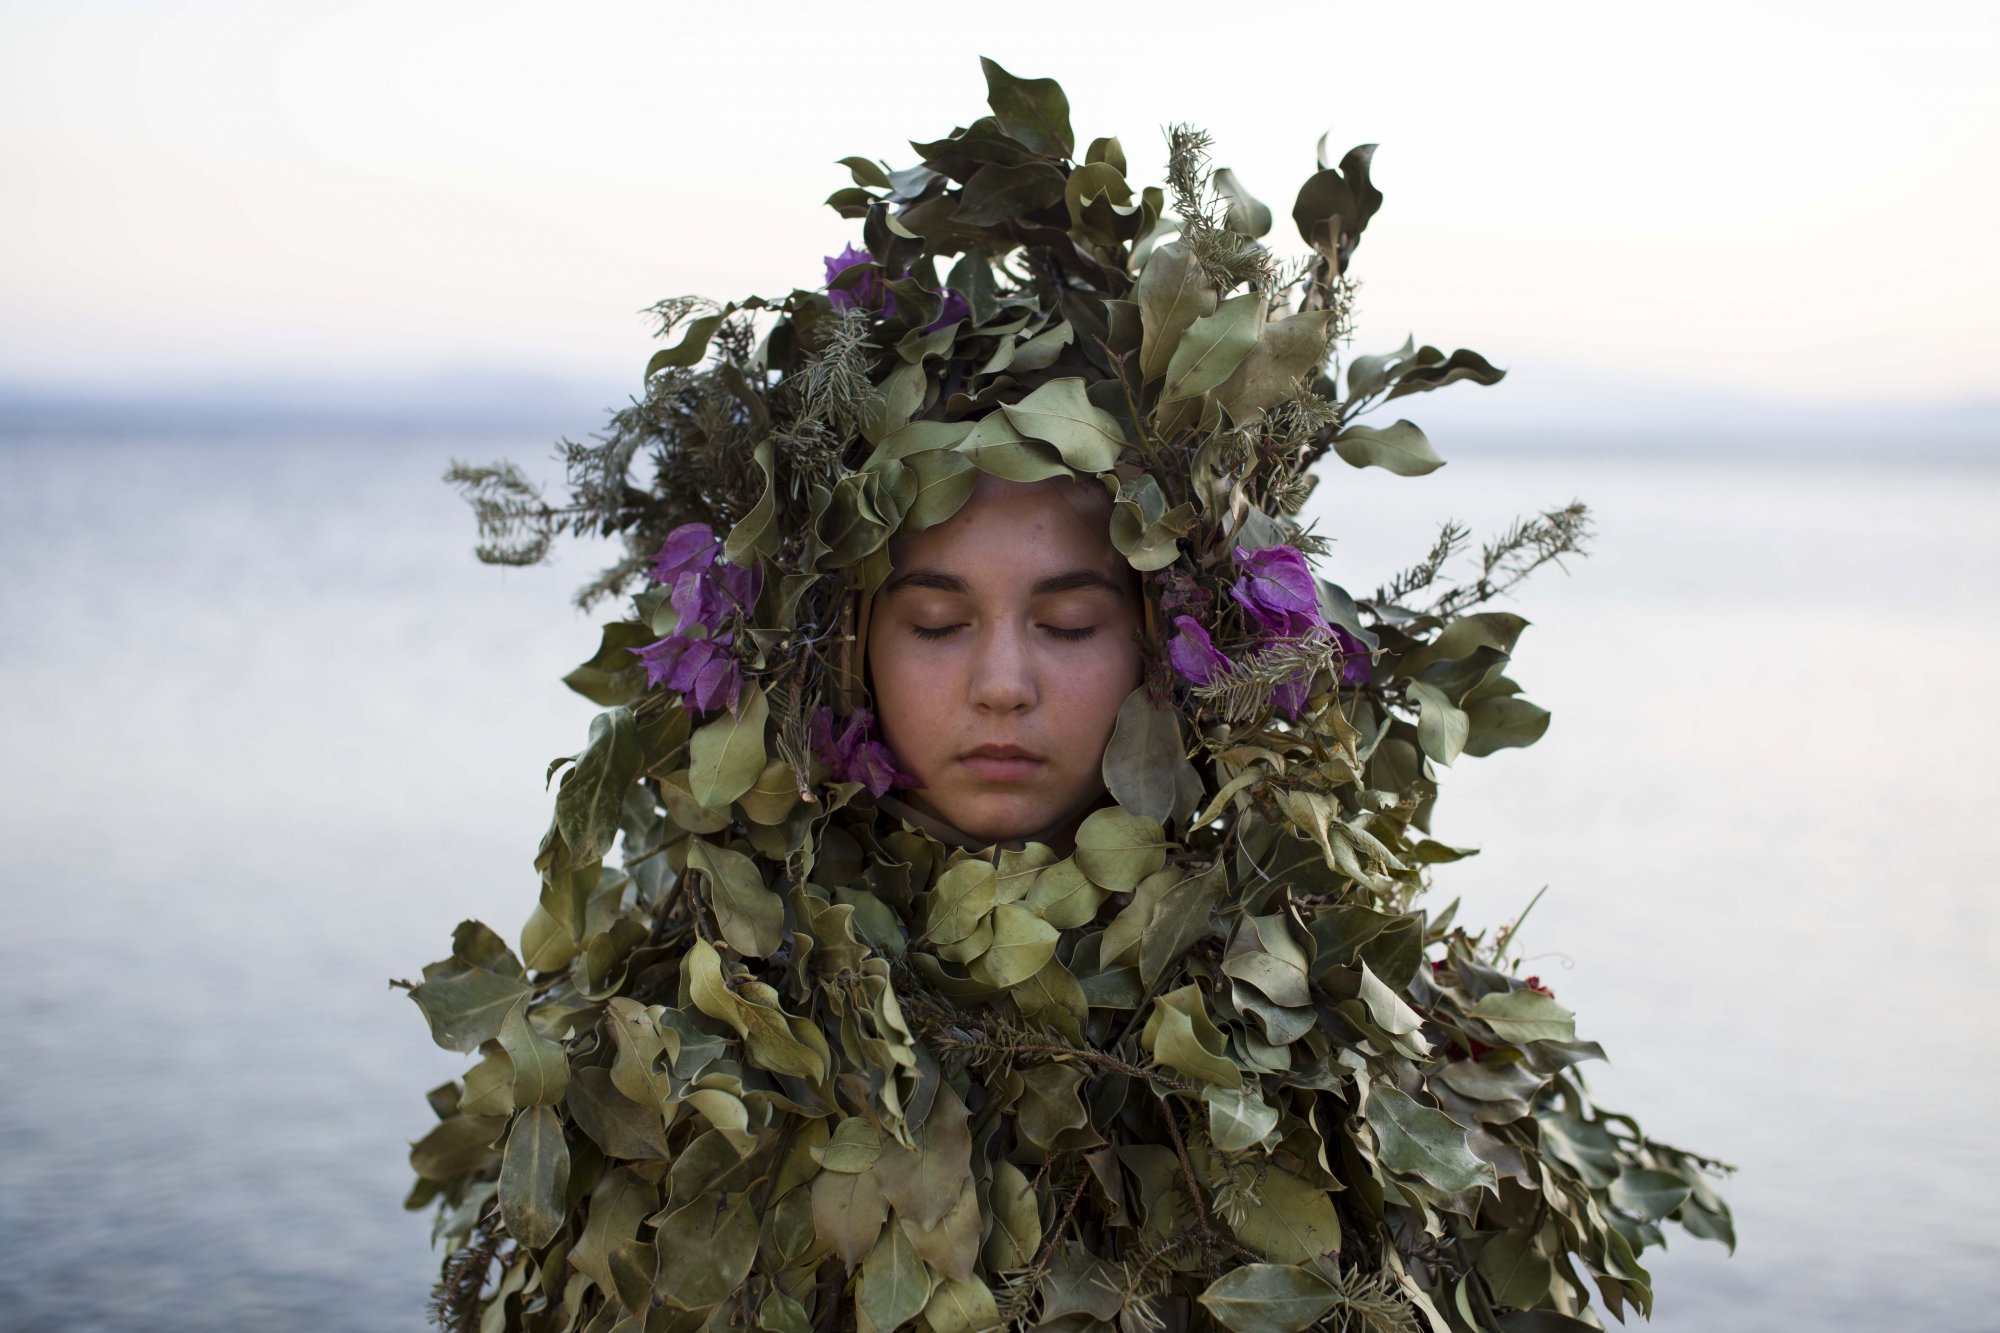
point(704, 597)
point(953, 310)
point(704, 671)
point(689, 549)
point(855, 755)
point(1355, 667)
point(1192, 653)
point(1277, 593)
point(867, 294)
point(1291, 696)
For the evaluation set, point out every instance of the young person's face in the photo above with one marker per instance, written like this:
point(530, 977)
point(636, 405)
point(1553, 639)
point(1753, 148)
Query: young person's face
point(1000, 648)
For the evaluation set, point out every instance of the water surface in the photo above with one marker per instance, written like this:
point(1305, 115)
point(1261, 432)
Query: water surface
point(270, 733)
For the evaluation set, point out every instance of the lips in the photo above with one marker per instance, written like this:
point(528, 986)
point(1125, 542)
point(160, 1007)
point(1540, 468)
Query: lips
point(1003, 763)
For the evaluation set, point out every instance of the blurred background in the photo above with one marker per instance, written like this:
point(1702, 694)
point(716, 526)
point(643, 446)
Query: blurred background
point(270, 732)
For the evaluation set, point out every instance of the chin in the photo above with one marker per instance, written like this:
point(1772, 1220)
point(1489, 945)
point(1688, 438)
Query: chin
point(1000, 819)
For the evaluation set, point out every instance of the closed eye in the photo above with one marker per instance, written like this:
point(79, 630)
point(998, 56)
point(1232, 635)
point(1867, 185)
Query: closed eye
point(933, 631)
point(1077, 635)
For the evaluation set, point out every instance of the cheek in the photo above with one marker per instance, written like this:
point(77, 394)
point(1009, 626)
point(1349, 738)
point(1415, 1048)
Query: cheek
point(1091, 690)
point(902, 702)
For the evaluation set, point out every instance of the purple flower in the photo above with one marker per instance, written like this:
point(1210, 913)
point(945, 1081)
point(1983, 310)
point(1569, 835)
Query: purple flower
point(705, 587)
point(854, 755)
point(1277, 593)
point(953, 310)
point(867, 294)
point(704, 671)
point(704, 597)
point(1355, 667)
point(689, 549)
point(1290, 697)
point(1192, 653)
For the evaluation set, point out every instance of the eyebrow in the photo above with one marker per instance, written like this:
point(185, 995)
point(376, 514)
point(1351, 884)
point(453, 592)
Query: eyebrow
point(1075, 580)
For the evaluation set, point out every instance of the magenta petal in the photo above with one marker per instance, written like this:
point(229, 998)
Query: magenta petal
point(1193, 654)
point(1355, 666)
point(691, 547)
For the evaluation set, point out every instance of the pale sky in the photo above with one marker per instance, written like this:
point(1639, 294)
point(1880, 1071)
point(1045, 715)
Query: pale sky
point(1792, 202)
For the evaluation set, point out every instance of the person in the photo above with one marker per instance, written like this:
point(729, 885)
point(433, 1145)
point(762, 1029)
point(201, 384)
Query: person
point(999, 652)
point(995, 893)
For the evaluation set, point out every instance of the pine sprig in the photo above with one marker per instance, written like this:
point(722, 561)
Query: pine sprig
point(1244, 691)
point(1525, 547)
point(1450, 541)
point(1229, 258)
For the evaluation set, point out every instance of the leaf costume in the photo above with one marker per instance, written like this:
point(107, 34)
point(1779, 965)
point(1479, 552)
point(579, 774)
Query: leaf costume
point(776, 1051)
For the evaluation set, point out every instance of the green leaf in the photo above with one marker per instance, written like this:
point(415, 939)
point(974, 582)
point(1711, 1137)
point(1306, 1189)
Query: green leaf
point(895, 1286)
point(1388, 1012)
point(457, 1147)
point(1442, 726)
point(1425, 1142)
point(1296, 1223)
point(1516, 1273)
point(1288, 351)
point(619, 1204)
point(1064, 896)
point(848, 1212)
point(591, 801)
point(1146, 767)
point(540, 1069)
point(1022, 943)
point(1032, 112)
point(1117, 848)
point(995, 447)
point(866, 173)
point(892, 404)
point(1238, 1118)
point(613, 676)
point(692, 346)
point(1180, 1035)
point(1502, 722)
point(774, 1039)
point(1051, 1105)
point(1525, 1015)
point(1059, 413)
point(468, 1007)
point(1401, 449)
point(614, 1122)
point(755, 536)
point(1213, 347)
point(1247, 216)
point(1429, 370)
point(1143, 529)
point(726, 754)
point(533, 1175)
point(945, 479)
point(750, 916)
point(1173, 292)
point(1183, 916)
point(924, 1182)
point(706, 1248)
point(1650, 1194)
point(1268, 1298)
point(962, 1306)
point(1368, 375)
point(1017, 1219)
point(998, 193)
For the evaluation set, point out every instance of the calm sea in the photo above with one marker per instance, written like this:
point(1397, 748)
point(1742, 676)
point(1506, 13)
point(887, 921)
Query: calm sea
point(269, 733)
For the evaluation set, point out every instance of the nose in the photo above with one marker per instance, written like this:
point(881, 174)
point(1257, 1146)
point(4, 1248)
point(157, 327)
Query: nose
point(1003, 674)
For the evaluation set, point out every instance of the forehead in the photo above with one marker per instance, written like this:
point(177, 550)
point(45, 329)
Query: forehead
point(1010, 524)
